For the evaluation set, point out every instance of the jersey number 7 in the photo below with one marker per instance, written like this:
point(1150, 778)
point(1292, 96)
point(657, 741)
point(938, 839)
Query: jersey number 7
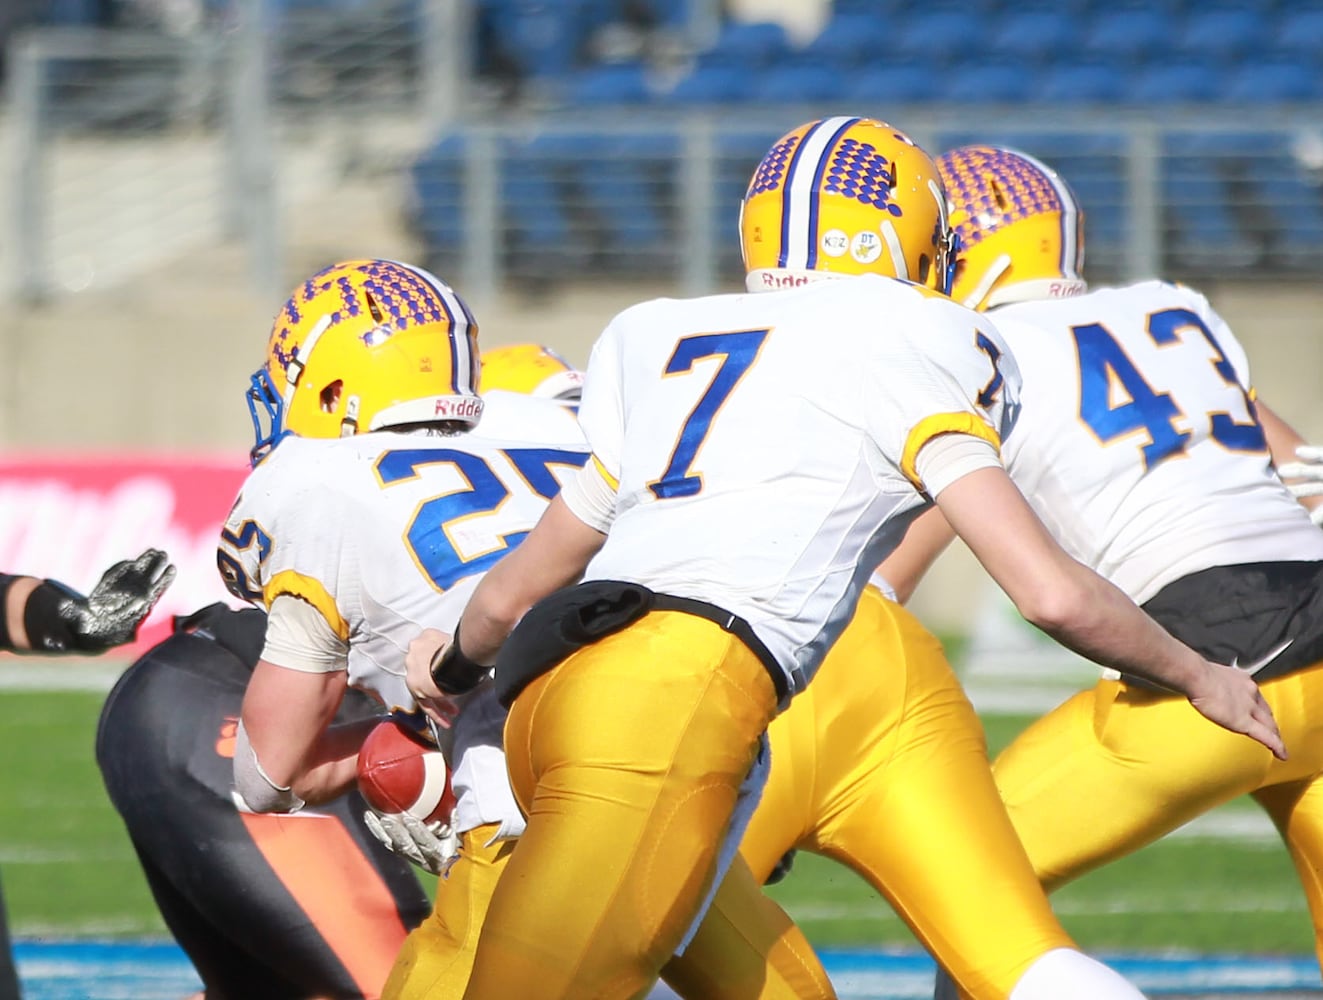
point(738, 352)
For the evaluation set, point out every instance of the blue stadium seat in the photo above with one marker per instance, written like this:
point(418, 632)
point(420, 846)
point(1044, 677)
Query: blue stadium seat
point(1280, 80)
point(1299, 32)
point(1081, 83)
point(988, 82)
point(1174, 82)
point(1222, 35)
point(910, 82)
point(715, 84)
point(1296, 205)
point(673, 13)
point(65, 13)
point(943, 35)
point(437, 194)
point(797, 84)
point(873, 8)
point(849, 40)
point(531, 192)
point(544, 36)
point(1129, 35)
point(1200, 230)
point(608, 84)
point(747, 45)
point(618, 194)
point(1074, 8)
point(1041, 35)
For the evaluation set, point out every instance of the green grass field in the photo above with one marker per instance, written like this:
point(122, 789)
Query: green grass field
point(69, 871)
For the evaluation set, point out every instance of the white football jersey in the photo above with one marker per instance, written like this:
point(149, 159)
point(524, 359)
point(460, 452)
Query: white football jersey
point(764, 444)
point(1137, 443)
point(388, 533)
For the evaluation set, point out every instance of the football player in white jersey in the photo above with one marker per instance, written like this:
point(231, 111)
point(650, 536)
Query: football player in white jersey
point(754, 456)
point(757, 954)
point(1141, 444)
point(858, 742)
point(373, 508)
point(370, 511)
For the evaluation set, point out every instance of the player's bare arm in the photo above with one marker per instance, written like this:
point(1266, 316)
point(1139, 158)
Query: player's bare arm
point(926, 539)
point(554, 555)
point(286, 718)
point(1083, 611)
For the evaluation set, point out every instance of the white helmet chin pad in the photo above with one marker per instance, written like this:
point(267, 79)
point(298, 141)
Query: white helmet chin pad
point(1038, 288)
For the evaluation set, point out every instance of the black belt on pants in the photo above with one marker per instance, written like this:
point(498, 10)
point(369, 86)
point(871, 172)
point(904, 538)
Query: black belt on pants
point(577, 616)
point(733, 624)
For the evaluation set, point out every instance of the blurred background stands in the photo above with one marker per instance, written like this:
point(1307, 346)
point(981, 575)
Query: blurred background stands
point(532, 142)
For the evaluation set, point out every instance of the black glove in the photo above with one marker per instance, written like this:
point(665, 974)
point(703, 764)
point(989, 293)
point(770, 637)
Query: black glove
point(111, 613)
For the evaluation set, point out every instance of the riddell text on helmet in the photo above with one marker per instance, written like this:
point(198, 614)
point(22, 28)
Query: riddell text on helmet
point(450, 407)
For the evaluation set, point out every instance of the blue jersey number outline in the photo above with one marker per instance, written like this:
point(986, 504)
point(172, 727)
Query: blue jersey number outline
point(1104, 362)
point(738, 350)
point(428, 533)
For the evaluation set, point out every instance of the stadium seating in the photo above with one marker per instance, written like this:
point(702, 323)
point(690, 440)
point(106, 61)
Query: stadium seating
point(899, 82)
point(1299, 31)
point(942, 35)
point(1129, 35)
point(1036, 34)
point(849, 41)
point(988, 81)
point(1221, 208)
point(1280, 80)
point(1082, 83)
point(1174, 82)
point(612, 83)
point(1222, 35)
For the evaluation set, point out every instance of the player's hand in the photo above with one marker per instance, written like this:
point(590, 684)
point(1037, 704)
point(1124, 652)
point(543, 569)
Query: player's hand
point(429, 847)
point(1231, 698)
point(123, 597)
point(1307, 476)
point(439, 707)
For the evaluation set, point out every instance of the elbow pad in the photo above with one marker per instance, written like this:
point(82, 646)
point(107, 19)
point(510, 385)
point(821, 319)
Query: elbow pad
point(253, 790)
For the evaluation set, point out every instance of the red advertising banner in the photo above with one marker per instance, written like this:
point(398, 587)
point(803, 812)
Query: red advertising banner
point(71, 517)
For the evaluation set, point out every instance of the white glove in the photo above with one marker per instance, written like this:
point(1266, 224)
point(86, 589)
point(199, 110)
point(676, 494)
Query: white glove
point(1308, 473)
point(429, 847)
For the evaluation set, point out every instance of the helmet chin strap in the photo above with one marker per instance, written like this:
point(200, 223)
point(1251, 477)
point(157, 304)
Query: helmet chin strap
point(990, 277)
point(894, 250)
point(299, 360)
point(349, 425)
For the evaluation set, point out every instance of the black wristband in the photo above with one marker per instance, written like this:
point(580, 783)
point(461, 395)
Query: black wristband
point(6, 581)
point(454, 673)
point(47, 630)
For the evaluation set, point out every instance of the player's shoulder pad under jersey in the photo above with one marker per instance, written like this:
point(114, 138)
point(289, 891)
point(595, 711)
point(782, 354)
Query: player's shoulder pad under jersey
point(301, 471)
point(514, 416)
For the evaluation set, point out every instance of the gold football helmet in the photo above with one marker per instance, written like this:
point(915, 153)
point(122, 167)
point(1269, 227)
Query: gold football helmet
point(1020, 226)
point(364, 345)
point(845, 196)
point(533, 369)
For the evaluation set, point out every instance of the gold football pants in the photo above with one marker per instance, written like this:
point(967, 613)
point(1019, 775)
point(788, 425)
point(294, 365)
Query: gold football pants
point(881, 764)
point(746, 948)
point(627, 759)
point(1116, 767)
